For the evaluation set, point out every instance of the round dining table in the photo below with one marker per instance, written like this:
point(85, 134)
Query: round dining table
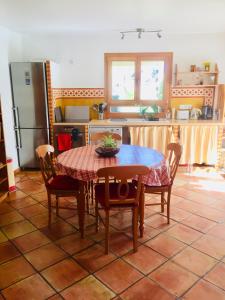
point(83, 163)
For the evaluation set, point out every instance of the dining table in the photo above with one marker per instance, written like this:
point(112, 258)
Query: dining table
point(82, 163)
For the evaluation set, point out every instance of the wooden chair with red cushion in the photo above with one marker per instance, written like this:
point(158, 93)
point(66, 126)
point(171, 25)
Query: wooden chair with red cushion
point(118, 195)
point(58, 185)
point(174, 155)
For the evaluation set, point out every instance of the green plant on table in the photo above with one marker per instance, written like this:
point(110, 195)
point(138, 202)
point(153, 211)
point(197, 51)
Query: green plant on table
point(109, 142)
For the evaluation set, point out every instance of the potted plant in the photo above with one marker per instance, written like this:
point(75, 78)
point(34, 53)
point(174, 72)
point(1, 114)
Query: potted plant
point(150, 112)
point(108, 148)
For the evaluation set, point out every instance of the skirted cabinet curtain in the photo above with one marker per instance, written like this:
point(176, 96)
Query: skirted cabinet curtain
point(156, 137)
point(199, 144)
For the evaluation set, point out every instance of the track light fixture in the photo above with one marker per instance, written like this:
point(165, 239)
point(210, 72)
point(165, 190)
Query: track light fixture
point(139, 32)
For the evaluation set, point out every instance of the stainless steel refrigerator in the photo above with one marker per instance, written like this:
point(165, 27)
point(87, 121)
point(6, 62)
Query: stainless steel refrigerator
point(30, 106)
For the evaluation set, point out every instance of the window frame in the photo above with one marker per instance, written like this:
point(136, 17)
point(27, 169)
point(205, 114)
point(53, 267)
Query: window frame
point(167, 57)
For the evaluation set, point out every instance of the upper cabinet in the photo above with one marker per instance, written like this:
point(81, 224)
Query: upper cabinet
point(196, 76)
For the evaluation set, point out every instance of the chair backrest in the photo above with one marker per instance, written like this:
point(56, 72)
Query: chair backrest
point(97, 137)
point(122, 174)
point(45, 155)
point(175, 152)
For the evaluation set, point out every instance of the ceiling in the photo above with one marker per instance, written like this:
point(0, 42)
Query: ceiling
point(66, 16)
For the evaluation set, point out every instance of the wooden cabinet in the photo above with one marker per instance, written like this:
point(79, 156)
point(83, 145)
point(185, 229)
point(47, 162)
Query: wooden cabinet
point(4, 185)
point(196, 78)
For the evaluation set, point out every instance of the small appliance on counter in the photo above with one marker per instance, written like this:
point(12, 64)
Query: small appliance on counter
point(207, 112)
point(77, 114)
point(183, 113)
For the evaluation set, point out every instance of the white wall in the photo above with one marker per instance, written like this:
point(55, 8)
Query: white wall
point(81, 57)
point(9, 45)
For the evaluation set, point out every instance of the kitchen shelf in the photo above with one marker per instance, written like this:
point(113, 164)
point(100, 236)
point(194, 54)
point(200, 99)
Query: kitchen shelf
point(208, 78)
point(4, 184)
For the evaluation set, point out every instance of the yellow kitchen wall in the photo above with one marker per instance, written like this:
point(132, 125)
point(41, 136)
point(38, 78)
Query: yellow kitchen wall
point(62, 102)
point(196, 102)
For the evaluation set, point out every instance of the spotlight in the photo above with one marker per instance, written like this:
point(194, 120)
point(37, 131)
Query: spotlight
point(159, 34)
point(139, 34)
point(122, 35)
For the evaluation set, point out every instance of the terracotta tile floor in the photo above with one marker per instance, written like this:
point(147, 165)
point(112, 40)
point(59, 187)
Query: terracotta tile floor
point(183, 260)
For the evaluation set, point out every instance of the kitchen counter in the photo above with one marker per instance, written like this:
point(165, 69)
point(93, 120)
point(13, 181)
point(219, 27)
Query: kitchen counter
point(141, 122)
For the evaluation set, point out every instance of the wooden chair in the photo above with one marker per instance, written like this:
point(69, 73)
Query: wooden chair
point(96, 137)
point(58, 185)
point(174, 155)
point(120, 194)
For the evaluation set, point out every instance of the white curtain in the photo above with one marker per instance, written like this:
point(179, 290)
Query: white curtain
point(156, 137)
point(199, 144)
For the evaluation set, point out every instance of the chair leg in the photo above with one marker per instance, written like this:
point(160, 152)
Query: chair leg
point(142, 213)
point(49, 210)
point(162, 202)
point(96, 215)
point(168, 206)
point(57, 206)
point(135, 228)
point(106, 231)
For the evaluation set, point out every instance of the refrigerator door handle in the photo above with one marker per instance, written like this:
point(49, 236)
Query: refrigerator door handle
point(15, 116)
point(18, 138)
point(18, 116)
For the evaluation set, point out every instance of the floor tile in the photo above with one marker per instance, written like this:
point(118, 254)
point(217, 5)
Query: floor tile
point(146, 289)
point(3, 238)
point(118, 275)
point(45, 256)
point(40, 196)
point(119, 243)
point(17, 229)
point(64, 274)
point(10, 217)
point(17, 195)
point(33, 210)
point(8, 251)
point(30, 187)
point(41, 221)
point(205, 290)
point(145, 259)
point(159, 222)
point(149, 232)
point(217, 275)
point(89, 220)
point(211, 245)
point(218, 231)
point(190, 206)
point(212, 214)
point(88, 288)
point(195, 261)
point(173, 278)
point(23, 202)
point(73, 243)
point(199, 223)
point(184, 234)
point(33, 287)
point(178, 214)
point(58, 230)
point(94, 258)
point(165, 245)
point(5, 208)
point(13, 271)
point(31, 241)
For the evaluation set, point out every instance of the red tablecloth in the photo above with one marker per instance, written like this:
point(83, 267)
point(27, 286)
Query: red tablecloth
point(83, 163)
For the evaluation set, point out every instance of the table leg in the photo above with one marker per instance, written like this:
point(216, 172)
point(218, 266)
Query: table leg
point(142, 212)
point(81, 207)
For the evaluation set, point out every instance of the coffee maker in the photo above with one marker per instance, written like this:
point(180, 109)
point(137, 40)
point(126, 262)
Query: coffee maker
point(207, 112)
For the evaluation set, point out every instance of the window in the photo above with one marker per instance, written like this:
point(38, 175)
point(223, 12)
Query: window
point(137, 79)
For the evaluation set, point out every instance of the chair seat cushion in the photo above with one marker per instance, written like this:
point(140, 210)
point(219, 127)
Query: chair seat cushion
point(63, 182)
point(100, 193)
